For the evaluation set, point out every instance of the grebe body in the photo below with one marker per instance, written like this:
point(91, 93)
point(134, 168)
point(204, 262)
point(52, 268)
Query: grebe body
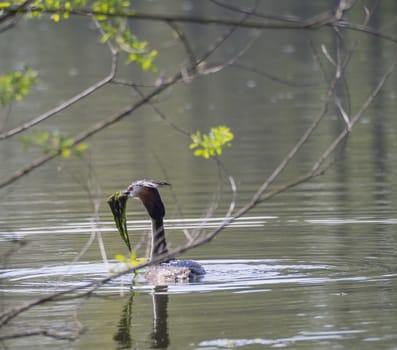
point(175, 271)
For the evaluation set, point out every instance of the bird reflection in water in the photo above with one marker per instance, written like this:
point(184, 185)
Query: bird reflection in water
point(159, 338)
point(168, 272)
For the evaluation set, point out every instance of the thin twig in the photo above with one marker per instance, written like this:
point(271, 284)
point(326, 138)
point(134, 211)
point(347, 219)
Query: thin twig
point(354, 119)
point(186, 44)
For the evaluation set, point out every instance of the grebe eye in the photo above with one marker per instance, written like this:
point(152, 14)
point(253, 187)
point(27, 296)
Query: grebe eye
point(130, 188)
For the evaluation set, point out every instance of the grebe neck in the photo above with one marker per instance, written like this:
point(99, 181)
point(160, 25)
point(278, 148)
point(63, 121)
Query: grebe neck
point(158, 241)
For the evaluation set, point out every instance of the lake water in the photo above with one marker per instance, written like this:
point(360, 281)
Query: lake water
point(314, 268)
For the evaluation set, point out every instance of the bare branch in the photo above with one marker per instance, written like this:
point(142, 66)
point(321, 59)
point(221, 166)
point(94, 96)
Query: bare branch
point(346, 118)
point(255, 13)
point(70, 336)
point(327, 55)
point(270, 76)
point(287, 22)
point(186, 44)
point(166, 119)
point(365, 29)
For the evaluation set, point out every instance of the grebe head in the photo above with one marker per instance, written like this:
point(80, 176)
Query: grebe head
point(146, 191)
point(137, 187)
point(133, 189)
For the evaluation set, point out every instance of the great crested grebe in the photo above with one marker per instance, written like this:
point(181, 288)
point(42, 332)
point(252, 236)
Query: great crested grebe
point(173, 270)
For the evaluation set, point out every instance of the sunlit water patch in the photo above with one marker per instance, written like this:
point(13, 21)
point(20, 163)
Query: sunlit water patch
point(346, 221)
point(234, 275)
point(302, 337)
point(133, 225)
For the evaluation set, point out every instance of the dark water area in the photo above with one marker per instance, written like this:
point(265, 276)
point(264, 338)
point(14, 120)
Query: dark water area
point(313, 268)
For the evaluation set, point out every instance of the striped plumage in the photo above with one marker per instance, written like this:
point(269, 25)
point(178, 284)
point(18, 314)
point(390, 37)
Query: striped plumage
point(158, 244)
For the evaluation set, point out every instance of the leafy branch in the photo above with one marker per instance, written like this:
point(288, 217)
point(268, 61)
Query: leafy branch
point(115, 27)
point(14, 85)
point(54, 143)
point(116, 30)
point(211, 144)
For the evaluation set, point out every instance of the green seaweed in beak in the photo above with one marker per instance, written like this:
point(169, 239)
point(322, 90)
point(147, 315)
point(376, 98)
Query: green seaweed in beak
point(118, 204)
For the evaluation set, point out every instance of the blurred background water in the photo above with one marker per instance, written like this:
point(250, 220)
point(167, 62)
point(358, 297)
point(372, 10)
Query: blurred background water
point(313, 268)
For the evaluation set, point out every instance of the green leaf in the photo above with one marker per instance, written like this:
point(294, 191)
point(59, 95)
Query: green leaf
point(80, 148)
point(66, 152)
point(41, 138)
point(121, 258)
point(4, 4)
point(56, 17)
point(211, 144)
point(134, 261)
point(67, 143)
